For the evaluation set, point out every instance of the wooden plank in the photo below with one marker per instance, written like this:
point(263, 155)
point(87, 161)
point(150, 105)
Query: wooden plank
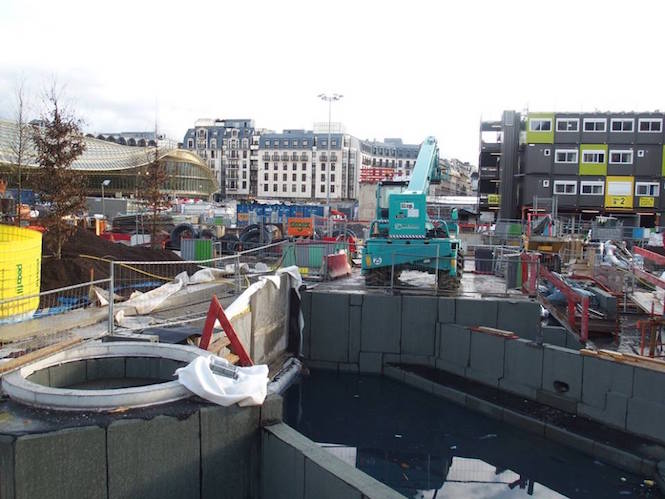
point(495, 332)
point(38, 354)
point(626, 358)
point(644, 300)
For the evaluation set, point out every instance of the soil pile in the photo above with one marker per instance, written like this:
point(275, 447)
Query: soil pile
point(76, 269)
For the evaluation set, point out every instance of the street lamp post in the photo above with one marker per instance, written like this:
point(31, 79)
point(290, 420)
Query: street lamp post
point(329, 98)
point(105, 183)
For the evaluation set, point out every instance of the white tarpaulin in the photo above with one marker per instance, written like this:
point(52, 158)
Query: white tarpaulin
point(250, 388)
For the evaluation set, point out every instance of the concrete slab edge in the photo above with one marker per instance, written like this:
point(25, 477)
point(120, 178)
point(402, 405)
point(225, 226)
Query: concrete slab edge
point(611, 455)
point(369, 487)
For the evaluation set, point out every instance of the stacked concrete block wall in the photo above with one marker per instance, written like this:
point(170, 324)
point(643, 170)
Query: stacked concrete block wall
point(206, 452)
point(363, 333)
point(294, 467)
point(269, 311)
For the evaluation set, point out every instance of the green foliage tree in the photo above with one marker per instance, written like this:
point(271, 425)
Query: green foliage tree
point(58, 142)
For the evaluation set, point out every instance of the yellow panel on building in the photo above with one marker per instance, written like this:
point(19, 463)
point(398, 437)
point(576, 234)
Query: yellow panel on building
point(646, 202)
point(619, 192)
point(493, 198)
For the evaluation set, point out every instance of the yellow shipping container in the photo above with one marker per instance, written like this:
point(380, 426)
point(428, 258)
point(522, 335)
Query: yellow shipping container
point(20, 272)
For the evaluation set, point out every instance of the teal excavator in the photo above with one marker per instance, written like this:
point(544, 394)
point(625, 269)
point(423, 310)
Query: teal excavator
point(404, 238)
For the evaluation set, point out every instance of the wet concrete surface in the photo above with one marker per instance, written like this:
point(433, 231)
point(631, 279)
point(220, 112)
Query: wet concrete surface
point(426, 447)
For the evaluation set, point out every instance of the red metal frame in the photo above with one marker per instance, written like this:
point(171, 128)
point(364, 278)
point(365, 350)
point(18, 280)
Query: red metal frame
point(573, 299)
point(216, 312)
point(649, 255)
point(530, 262)
point(649, 277)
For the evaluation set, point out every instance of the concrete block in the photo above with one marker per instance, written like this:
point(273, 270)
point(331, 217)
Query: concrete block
point(455, 347)
point(450, 394)
point(646, 418)
point(486, 358)
point(418, 360)
point(524, 422)
point(306, 309)
point(355, 320)
point(323, 484)
point(417, 381)
point(446, 313)
point(272, 409)
point(474, 312)
point(393, 372)
point(68, 374)
point(650, 385)
point(167, 368)
point(569, 439)
point(418, 324)
point(355, 300)
point(166, 449)
point(330, 327)
point(6, 466)
point(392, 358)
point(269, 319)
point(520, 317)
point(322, 364)
point(606, 388)
point(381, 324)
point(141, 368)
point(230, 438)
point(613, 412)
point(523, 368)
point(562, 378)
point(347, 368)
point(282, 469)
point(109, 368)
point(370, 362)
point(554, 335)
point(617, 457)
point(483, 406)
point(62, 464)
point(572, 341)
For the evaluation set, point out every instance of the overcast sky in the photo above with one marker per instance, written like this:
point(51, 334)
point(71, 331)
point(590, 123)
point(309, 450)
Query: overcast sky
point(407, 69)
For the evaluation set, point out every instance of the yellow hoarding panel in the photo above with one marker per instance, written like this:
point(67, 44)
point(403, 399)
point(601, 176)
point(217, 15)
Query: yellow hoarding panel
point(646, 202)
point(493, 198)
point(619, 192)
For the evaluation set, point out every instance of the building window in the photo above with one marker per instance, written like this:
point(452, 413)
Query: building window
point(284, 188)
point(244, 184)
point(567, 124)
point(540, 125)
point(266, 165)
point(651, 125)
point(621, 124)
point(647, 189)
point(294, 177)
point(565, 156)
point(265, 177)
point(592, 156)
point(275, 166)
point(323, 167)
point(619, 188)
point(332, 167)
point(284, 177)
point(294, 166)
point(621, 157)
point(332, 189)
point(303, 177)
point(304, 166)
point(595, 124)
point(293, 187)
point(323, 188)
point(274, 187)
point(303, 188)
point(190, 143)
point(323, 178)
point(285, 166)
point(265, 187)
point(596, 188)
point(565, 187)
point(267, 143)
point(304, 143)
point(274, 177)
point(332, 177)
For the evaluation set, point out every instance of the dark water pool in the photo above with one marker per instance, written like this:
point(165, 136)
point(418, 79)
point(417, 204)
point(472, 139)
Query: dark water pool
point(426, 447)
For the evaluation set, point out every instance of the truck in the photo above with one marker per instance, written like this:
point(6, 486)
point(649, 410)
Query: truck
point(403, 237)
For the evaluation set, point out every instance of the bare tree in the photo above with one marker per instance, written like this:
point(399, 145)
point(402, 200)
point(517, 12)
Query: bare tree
point(21, 146)
point(153, 189)
point(59, 141)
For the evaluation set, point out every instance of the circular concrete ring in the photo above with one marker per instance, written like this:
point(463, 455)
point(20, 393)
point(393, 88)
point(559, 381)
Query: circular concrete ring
point(18, 388)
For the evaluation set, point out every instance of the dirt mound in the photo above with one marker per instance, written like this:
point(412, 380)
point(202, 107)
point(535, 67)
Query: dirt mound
point(74, 268)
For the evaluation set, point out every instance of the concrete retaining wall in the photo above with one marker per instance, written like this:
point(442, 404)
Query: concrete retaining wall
point(363, 333)
point(294, 467)
point(208, 452)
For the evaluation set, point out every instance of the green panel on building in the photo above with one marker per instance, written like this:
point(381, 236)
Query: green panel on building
point(540, 128)
point(593, 168)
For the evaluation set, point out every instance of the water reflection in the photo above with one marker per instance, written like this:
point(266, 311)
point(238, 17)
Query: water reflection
point(425, 447)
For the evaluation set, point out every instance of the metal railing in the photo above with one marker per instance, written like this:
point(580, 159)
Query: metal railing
point(54, 301)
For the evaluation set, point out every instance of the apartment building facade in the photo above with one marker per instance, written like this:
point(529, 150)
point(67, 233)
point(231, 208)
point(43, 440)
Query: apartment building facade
point(387, 160)
point(230, 148)
point(593, 163)
point(301, 164)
